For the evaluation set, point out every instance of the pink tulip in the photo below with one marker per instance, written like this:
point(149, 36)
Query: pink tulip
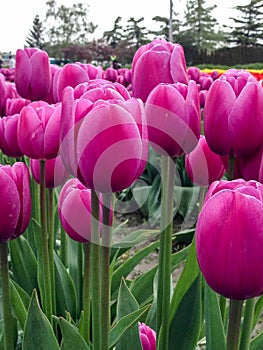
point(15, 203)
point(229, 238)
point(104, 143)
point(74, 208)
point(32, 73)
point(233, 114)
point(155, 63)
point(8, 136)
point(147, 336)
point(110, 74)
point(194, 73)
point(56, 174)
point(202, 165)
point(173, 118)
point(14, 105)
point(38, 131)
point(71, 74)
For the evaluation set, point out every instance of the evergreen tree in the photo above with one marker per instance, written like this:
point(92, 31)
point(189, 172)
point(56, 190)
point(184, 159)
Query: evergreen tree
point(164, 27)
point(248, 28)
point(35, 36)
point(136, 35)
point(200, 28)
point(113, 37)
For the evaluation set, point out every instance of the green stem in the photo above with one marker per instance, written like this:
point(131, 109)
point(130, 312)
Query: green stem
point(95, 272)
point(222, 305)
point(64, 247)
point(166, 231)
point(105, 271)
point(202, 193)
point(45, 268)
point(247, 324)
point(231, 168)
point(234, 324)
point(86, 293)
point(51, 242)
point(6, 299)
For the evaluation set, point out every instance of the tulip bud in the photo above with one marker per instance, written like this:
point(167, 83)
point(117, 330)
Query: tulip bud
point(8, 136)
point(147, 336)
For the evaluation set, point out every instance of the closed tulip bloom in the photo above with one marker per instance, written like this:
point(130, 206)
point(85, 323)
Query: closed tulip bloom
point(74, 208)
point(15, 105)
point(110, 74)
point(38, 131)
point(233, 114)
point(15, 203)
point(229, 238)
point(157, 62)
point(202, 165)
point(147, 337)
point(56, 174)
point(173, 118)
point(8, 136)
point(32, 73)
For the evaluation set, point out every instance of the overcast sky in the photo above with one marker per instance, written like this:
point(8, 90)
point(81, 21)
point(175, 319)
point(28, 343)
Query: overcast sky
point(16, 16)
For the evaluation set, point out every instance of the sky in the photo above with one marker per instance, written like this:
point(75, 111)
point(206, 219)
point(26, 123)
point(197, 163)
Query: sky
point(16, 16)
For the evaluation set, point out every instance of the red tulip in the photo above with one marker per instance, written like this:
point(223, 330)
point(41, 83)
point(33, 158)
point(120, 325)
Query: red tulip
point(233, 114)
point(202, 165)
point(15, 203)
point(155, 63)
point(38, 131)
point(173, 118)
point(32, 73)
point(229, 238)
point(56, 174)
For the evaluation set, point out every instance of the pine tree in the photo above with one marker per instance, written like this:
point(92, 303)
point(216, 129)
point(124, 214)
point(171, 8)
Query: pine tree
point(35, 36)
point(113, 37)
point(135, 34)
point(248, 28)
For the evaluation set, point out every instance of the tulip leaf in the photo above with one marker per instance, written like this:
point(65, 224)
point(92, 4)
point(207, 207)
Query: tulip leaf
point(257, 342)
point(20, 302)
point(65, 290)
point(125, 323)
point(126, 304)
point(136, 237)
point(186, 301)
point(24, 264)
point(38, 332)
point(71, 339)
point(215, 335)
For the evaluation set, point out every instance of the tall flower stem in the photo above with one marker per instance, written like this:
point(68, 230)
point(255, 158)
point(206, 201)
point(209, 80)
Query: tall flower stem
point(234, 324)
point(64, 247)
point(86, 292)
point(6, 299)
point(95, 272)
point(247, 324)
point(45, 268)
point(105, 270)
point(164, 271)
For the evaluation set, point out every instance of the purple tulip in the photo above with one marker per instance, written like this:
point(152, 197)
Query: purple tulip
point(15, 203)
point(56, 174)
point(32, 73)
point(155, 63)
point(173, 118)
point(147, 336)
point(38, 130)
point(202, 165)
point(8, 136)
point(233, 114)
point(74, 208)
point(229, 238)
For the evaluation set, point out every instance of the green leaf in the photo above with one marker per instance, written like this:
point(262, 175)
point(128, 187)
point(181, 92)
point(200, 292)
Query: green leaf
point(38, 333)
point(125, 323)
point(65, 290)
point(136, 237)
point(20, 302)
point(215, 335)
point(187, 300)
point(188, 198)
point(257, 342)
point(71, 339)
point(126, 304)
point(24, 264)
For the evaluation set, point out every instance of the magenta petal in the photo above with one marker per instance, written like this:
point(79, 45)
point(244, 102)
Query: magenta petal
point(41, 75)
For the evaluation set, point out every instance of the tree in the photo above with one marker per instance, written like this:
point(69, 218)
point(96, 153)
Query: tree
point(135, 34)
point(113, 37)
point(164, 25)
point(35, 37)
point(201, 29)
point(249, 25)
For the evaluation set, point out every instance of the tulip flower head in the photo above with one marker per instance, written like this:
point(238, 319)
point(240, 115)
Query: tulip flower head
point(157, 62)
point(15, 203)
point(229, 238)
point(233, 114)
point(8, 136)
point(173, 118)
point(147, 337)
